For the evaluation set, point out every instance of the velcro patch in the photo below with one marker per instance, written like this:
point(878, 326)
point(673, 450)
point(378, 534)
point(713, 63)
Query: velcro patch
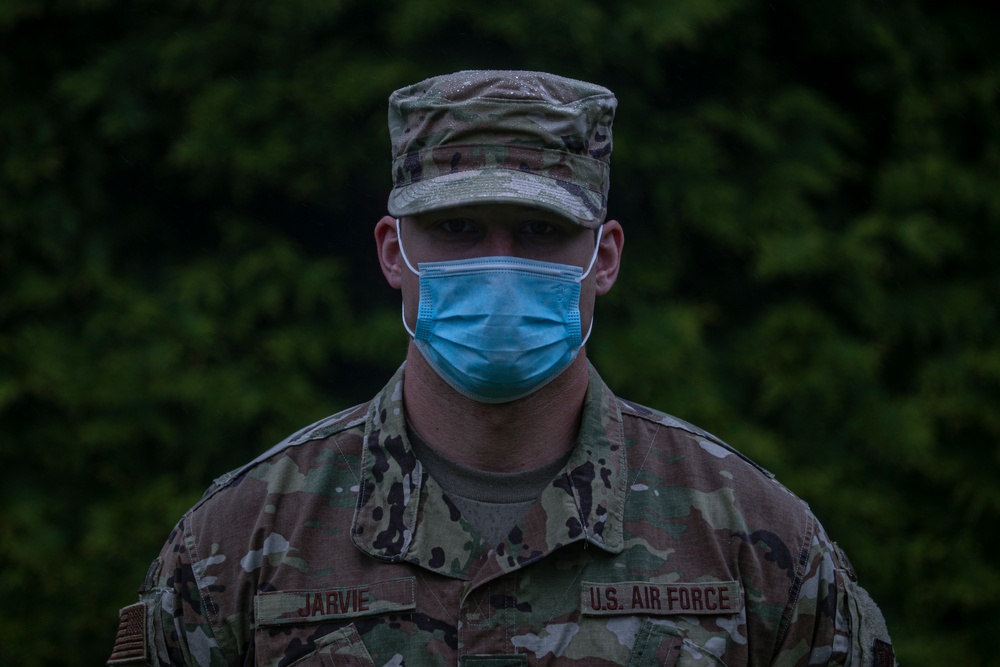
point(884, 655)
point(285, 607)
point(130, 642)
point(644, 597)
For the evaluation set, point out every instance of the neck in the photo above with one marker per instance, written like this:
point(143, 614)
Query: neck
point(503, 437)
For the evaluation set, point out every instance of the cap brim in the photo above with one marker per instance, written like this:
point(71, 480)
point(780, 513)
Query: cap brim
point(498, 186)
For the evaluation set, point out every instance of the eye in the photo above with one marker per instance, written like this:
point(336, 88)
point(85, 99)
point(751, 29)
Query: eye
point(539, 228)
point(540, 231)
point(455, 226)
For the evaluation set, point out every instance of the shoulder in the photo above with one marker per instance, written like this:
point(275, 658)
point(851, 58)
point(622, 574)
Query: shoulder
point(666, 451)
point(326, 445)
point(680, 429)
point(247, 522)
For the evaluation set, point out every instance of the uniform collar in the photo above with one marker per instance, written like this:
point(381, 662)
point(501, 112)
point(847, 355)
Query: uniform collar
point(402, 514)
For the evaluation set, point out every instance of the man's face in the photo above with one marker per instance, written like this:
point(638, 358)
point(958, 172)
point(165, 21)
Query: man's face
point(495, 230)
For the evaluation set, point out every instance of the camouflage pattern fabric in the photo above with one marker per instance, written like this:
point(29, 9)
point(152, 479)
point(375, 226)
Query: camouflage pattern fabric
point(656, 544)
point(499, 137)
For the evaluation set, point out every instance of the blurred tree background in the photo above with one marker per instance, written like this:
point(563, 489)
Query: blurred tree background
point(188, 190)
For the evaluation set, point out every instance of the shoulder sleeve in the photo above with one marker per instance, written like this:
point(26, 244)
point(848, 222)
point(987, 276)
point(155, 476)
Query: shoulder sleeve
point(833, 620)
point(173, 623)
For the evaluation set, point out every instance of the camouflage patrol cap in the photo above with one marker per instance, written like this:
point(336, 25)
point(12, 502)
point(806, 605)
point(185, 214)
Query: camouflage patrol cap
point(480, 137)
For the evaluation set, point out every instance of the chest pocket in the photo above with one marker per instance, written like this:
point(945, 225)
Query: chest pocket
point(342, 647)
point(320, 628)
point(658, 644)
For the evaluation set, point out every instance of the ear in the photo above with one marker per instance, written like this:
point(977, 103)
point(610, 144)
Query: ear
point(389, 257)
point(608, 256)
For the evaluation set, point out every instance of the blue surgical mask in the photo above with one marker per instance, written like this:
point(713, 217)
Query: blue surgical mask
point(498, 328)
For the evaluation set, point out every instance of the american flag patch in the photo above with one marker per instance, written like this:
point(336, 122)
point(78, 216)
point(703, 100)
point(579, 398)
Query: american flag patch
point(130, 642)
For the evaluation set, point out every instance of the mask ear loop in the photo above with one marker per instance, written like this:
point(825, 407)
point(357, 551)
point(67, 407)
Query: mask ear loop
point(593, 258)
point(402, 251)
point(590, 267)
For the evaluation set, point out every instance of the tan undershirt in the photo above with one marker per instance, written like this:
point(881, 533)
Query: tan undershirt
point(492, 502)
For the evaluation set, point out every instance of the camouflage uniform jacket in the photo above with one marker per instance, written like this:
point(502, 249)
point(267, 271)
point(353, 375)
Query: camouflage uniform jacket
point(656, 544)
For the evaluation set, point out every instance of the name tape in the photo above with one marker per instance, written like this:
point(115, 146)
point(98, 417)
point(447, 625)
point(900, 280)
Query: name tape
point(284, 607)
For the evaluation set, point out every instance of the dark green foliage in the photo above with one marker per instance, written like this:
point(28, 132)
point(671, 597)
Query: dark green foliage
point(187, 194)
